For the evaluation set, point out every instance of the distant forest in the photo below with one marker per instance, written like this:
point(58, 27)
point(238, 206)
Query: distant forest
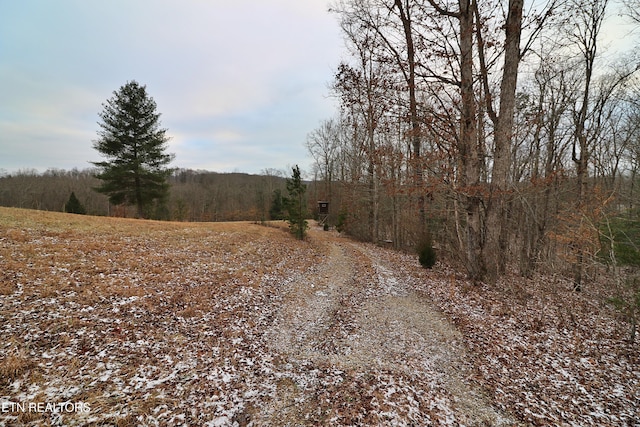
point(194, 195)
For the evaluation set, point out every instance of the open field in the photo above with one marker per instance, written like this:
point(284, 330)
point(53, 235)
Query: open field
point(125, 322)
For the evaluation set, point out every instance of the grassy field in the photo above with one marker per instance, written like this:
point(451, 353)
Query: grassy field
point(95, 309)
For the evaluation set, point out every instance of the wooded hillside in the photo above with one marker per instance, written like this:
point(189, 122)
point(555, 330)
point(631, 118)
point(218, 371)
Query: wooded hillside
point(193, 196)
point(504, 132)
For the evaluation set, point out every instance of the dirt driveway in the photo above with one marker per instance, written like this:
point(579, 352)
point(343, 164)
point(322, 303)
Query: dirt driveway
point(393, 353)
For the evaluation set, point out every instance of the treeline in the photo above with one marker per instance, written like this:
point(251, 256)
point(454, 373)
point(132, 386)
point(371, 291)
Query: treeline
point(51, 190)
point(193, 195)
point(504, 134)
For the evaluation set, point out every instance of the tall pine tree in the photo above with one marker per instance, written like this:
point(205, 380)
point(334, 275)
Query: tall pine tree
point(130, 137)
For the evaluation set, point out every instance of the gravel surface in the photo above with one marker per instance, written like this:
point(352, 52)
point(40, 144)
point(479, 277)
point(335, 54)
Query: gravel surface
point(354, 315)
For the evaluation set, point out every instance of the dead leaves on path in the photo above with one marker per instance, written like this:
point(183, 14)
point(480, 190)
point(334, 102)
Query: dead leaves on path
point(548, 354)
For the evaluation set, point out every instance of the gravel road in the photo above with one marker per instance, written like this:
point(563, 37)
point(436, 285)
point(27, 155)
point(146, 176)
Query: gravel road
point(354, 315)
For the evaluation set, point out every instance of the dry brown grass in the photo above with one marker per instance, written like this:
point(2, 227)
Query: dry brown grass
point(89, 303)
point(14, 366)
point(6, 287)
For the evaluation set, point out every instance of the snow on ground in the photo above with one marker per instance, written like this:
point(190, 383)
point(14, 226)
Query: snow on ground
point(171, 324)
point(548, 354)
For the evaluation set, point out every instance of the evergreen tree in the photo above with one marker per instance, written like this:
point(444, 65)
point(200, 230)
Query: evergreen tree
point(73, 205)
point(134, 144)
point(277, 205)
point(296, 204)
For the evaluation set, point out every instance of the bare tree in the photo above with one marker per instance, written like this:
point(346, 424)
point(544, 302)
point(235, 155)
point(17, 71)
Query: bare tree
point(502, 141)
point(323, 144)
point(632, 9)
point(593, 106)
point(389, 27)
point(363, 88)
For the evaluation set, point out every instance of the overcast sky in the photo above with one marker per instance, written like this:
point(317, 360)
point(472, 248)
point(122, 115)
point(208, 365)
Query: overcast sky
point(239, 83)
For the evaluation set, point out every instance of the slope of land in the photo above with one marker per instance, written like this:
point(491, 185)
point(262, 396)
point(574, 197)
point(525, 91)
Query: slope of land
point(154, 323)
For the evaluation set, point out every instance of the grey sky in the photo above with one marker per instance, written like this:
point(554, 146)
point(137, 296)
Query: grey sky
point(239, 83)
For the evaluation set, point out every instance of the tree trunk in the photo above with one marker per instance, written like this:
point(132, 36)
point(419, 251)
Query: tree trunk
point(497, 226)
point(592, 19)
point(139, 201)
point(469, 157)
point(416, 140)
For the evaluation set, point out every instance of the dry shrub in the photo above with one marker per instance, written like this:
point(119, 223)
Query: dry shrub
point(17, 235)
point(6, 287)
point(188, 312)
point(14, 366)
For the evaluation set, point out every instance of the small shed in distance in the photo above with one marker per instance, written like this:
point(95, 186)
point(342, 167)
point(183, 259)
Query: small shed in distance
point(323, 211)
